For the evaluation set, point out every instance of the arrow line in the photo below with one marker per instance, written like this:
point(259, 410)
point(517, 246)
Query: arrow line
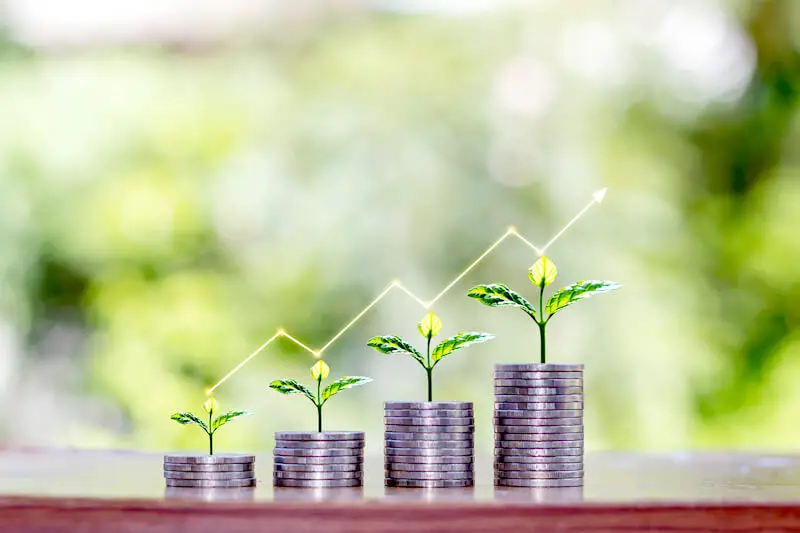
point(596, 199)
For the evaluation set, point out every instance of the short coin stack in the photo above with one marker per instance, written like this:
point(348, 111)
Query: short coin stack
point(429, 444)
point(209, 471)
point(538, 425)
point(314, 459)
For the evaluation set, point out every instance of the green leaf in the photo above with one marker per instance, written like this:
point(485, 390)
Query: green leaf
point(392, 344)
point(188, 419)
point(462, 340)
point(228, 417)
point(498, 295)
point(320, 371)
point(578, 291)
point(429, 326)
point(543, 272)
point(343, 383)
point(290, 386)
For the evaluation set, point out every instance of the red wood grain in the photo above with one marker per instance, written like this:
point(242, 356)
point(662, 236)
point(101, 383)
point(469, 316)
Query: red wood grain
point(37, 515)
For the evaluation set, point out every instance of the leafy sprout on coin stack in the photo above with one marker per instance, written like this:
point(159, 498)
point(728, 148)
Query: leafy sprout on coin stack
point(319, 372)
point(541, 274)
point(211, 406)
point(429, 327)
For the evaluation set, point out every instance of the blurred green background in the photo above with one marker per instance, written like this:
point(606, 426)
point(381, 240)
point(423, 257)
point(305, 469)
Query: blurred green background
point(179, 180)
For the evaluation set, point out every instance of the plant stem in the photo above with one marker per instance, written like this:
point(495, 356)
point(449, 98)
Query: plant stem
point(210, 436)
point(429, 371)
point(542, 325)
point(319, 406)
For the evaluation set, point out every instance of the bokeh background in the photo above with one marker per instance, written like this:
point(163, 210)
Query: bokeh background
point(180, 179)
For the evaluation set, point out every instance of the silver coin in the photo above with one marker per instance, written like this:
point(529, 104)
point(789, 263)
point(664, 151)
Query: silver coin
point(532, 404)
point(427, 405)
point(429, 430)
point(561, 376)
point(511, 474)
point(539, 437)
point(532, 396)
point(503, 428)
point(203, 459)
point(318, 445)
point(508, 451)
point(432, 444)
point(331, 460)
point(430, 413)
point(396, 433)
point(535, 414)
point(171, 474)
point(393, 435)
point(467, 475)
point(428, 421)
point(538, 467)
point(541, 421)
point(281, 474)
point(417, 454)
point(535, 385)
point(211, 483)
point(356, 467)
point(575, 460)
point(417, 467)
point(533, 379)
point(539, 367)
point(537, 445)
point(234, 467)
point(316, 483)
point(538, 483)
point(317, 436)
point(428, 484)
point(307, 452)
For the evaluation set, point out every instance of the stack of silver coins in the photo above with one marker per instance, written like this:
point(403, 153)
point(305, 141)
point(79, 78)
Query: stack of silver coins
point(209, 471)
point(312, 459)
point(538, 420)
point(429, 444)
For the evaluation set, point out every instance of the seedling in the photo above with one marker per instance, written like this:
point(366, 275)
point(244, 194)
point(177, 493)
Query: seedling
point(210, 406)
point(319, 372)
point(428, 327)
point(541, 274)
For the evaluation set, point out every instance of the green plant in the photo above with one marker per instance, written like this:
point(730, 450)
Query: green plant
point(541, 274)
point(428, 327)
point(319, 372)
point(210, 406)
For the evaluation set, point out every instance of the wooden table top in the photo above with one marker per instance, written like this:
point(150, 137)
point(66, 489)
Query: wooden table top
point(124, 491)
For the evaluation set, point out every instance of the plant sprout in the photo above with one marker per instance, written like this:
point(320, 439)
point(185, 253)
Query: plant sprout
point(319, 372)
point(428, 327)
point(541, 274)
point(210, 406)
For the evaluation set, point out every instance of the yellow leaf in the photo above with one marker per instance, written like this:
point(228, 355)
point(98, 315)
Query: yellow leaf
point(211, 405)
point(543, 272)
point(429, 326)
point(320, 370)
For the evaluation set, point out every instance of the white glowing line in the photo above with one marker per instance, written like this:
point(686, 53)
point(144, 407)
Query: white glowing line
point(597, 197)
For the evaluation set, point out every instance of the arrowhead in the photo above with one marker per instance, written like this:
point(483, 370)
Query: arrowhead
point(599, 195)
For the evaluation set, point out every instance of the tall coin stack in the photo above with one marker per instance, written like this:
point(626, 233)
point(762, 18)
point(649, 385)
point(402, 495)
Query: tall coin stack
point(313, 459)
point(429, 444)
point(209, 471)
point(538, 418)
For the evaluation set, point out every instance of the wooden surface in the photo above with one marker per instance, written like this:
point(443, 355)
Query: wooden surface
point(120, 492)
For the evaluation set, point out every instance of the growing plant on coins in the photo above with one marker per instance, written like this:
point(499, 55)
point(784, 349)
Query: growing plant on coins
point(428, 327)
point(541, 274)
point(210, 406)
point(319, 372)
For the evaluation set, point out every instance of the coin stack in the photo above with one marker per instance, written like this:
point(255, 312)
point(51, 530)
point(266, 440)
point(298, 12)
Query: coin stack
point(209, 471)
point(429, 444)
point(538, 418)
point(313, 459)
